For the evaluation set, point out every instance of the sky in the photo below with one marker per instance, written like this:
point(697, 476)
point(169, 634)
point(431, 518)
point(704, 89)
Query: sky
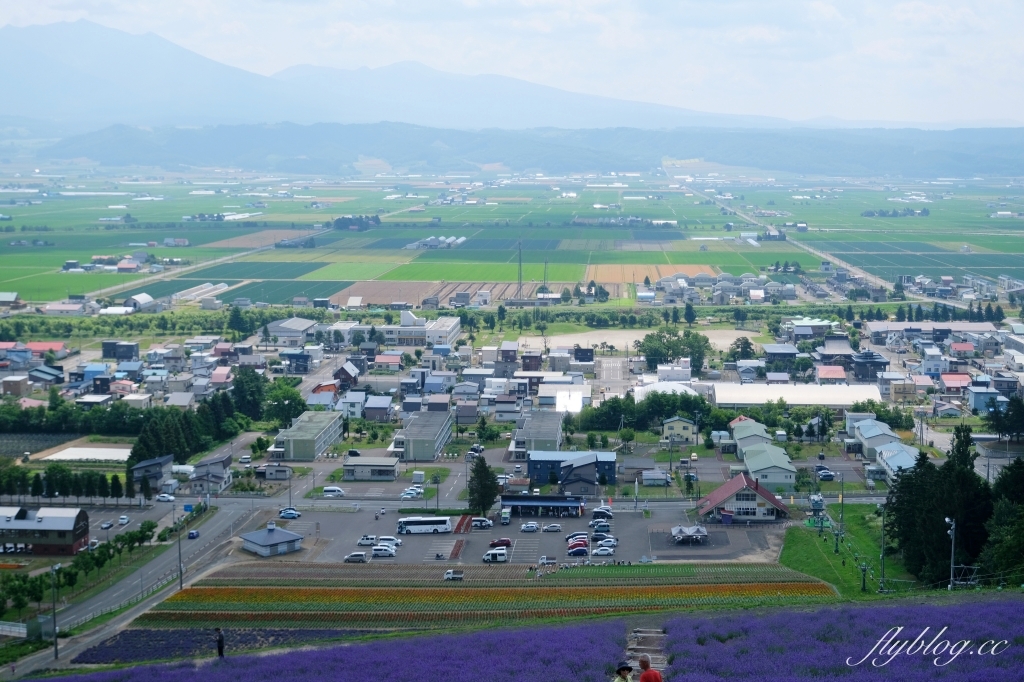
point(868, 60)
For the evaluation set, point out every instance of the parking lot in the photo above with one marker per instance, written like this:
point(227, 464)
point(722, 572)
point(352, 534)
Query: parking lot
point(331, 536)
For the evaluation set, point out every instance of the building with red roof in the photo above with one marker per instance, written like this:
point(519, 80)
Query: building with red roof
point(40, 348)
point(741, 499)
point(830, 374)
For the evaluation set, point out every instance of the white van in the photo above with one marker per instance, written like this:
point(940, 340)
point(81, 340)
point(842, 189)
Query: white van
point(481, 522)
point(245, 459)
point(383, 551)
point(333, 490)
point(498, 555)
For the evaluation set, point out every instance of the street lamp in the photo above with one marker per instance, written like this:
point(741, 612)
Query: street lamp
point(840, 529)
point(53, 586)
point(436, 480)
point(952, 547)
point(181, 566)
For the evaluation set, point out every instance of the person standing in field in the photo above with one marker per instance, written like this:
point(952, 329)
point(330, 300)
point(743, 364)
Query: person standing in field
point(220, 643)
point(649, 674)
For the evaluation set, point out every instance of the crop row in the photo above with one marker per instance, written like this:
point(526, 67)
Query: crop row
point(431, 600)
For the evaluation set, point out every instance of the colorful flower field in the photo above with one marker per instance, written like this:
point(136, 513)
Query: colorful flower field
point(566, 654)
point(983, 641)
point(296, 574)
point(403, 607)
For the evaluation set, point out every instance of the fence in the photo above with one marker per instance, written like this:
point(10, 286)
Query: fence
point(152, 589)
point(13, 629)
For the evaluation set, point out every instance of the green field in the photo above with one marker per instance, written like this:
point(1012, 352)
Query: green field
point(172, 286)
point(251, 270)
point(54, 286)
point(281, 292)
point(350, 271)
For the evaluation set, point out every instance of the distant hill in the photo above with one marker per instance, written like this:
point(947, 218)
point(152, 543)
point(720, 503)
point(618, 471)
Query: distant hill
point(88, 74)
point(332, 148)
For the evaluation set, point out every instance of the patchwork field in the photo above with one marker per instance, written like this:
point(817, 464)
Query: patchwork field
point(249, 270)
point(636, 273)
point(350, 271)
point(261, 238)
point(483, 272)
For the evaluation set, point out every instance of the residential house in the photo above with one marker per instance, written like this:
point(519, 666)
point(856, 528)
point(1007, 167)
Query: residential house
point(212, 475)
point(378, 408)
point(156, 470)
point(770, 466)
point(747, 434)
point(583, 473)
point(352, 403)
point(896, 457)
point(183, 401)
point(678, 431)
point(466, 412)
point(954, 384)
point(536, 431)
point(830, 374)
point(872, 434)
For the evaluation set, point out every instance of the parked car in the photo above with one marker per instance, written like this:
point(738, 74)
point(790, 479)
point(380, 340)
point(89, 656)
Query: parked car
point(578, 551)
point(501, 542)
point(547, 561)
point(107, 524)
point(389, 540)
point(597, 537)
point(518, 468)
point(408, 496)
point(290, 514)
point(610, 542)
point(164, 497)
point(596, 522)
point(496, 555)
point(577, 534)
point(578, 543)
point(383, 551)
point(604, 551)
point(826, 476)
point(193, 535)
point(333, 491)
point(693, 457)
point(820, 467)
point(603, 514)
point(603, 527)
point(603, 507)
point(552, 528)
point(530, 527)
point(481, 522)
point(123, 521)
point(367, 541)
point(356, 558)
point(282, 509)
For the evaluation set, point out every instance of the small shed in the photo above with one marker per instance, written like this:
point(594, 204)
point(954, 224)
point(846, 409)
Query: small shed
point(271, 540)
point(371, 469)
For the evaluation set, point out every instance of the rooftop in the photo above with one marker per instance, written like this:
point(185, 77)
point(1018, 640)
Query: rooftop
point(804, 394)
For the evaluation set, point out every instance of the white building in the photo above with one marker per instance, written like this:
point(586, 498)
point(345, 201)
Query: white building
point(677, 371)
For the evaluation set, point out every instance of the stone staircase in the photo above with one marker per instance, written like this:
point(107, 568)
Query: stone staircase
point(646, 641)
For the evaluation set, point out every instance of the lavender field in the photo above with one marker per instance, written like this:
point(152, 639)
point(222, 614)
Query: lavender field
point(566, 654)
point(843, 644)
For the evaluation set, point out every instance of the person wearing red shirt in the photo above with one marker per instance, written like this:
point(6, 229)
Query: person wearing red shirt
point(648, 674)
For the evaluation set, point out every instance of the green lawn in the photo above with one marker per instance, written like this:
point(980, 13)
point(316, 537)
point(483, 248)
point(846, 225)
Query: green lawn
point(808, 553)
point(429, 473)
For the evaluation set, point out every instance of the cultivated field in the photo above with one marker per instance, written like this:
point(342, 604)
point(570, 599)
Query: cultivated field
point(635, 273)
point(261, 238)
point(280, 292)
point(247, 270)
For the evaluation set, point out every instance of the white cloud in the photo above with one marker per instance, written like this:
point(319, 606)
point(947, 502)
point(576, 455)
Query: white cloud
point(918, 60)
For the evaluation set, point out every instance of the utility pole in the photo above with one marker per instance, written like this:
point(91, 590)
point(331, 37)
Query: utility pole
point(952, 548)
point(53, 586)
point(881, 582)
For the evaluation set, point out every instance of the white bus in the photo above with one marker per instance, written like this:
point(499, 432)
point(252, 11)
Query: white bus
point(425, 524)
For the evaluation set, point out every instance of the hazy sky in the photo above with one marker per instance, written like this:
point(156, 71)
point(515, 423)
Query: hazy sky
point(896, 61)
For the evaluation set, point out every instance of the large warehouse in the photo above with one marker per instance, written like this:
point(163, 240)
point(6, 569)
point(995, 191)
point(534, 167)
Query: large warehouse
point(835, 397)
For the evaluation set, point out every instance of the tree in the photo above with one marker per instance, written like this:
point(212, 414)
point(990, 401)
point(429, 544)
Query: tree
point(690, 315)
point(591, 440)
point(552, 477)
point(502, 312)
point(666, 315)
point(37, 486)
point(116, 491)
point(236, 322)
point(675, 315)
point(129, 486)
point(627, 435)
point(604, 441)
point(647, 281)
point(1009, 484)
point(145, 489)
point(103, 487)
point(265, 336)
point(565, 297)
point(283, 403)
point(482, 486)
point(741, 349)
point(249, 392)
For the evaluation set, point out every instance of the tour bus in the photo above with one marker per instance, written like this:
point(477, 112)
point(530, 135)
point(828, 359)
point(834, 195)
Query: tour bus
point(506, 516)
point(425, 524)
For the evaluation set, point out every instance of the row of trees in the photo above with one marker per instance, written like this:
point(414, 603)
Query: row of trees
point(20, 589)
point(1007, 422)
point(58, 480)
point(989, 519)
point(666, 345)
point(892, 415)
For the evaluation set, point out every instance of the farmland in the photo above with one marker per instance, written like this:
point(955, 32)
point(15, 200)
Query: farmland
point(282, 292)
point(601, 224)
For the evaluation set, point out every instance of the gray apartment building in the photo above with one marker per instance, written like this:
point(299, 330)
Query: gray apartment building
point(311, 434)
